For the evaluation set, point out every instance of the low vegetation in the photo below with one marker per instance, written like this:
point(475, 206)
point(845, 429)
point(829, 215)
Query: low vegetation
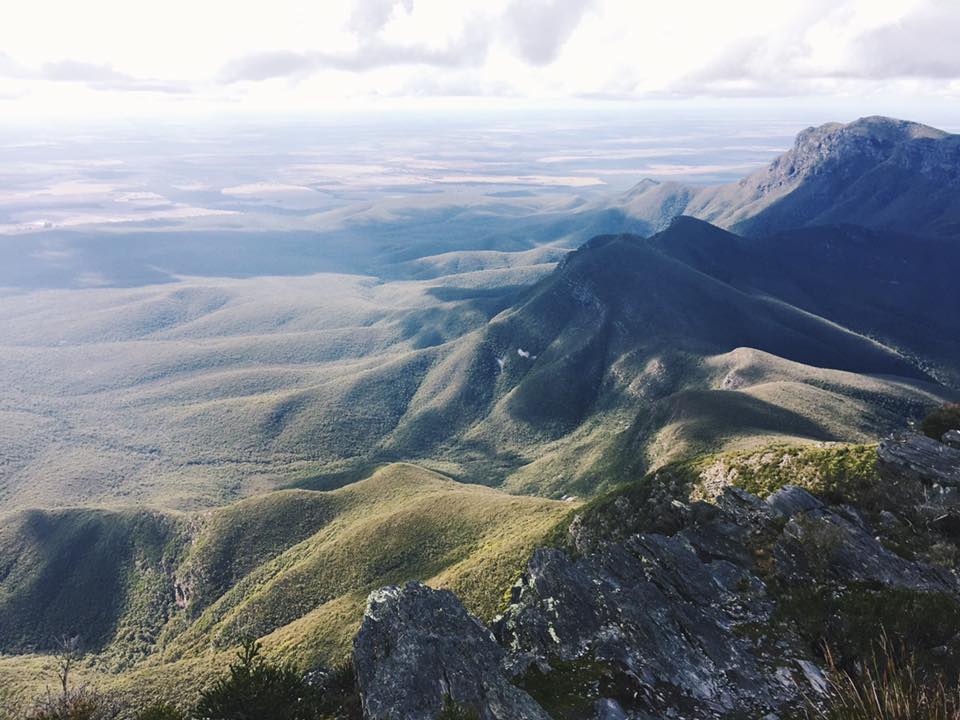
point(836, 472)
point(888, 686)
point(939, 421)
point(253, 688)
point(292, 568)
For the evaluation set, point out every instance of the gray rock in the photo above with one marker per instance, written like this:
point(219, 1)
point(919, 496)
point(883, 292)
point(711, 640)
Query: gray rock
point(951, 438)
point(608, 709)
point(418, 646)
point(678, 623)
point(792, 500)
point(848, 552)
point(921, 457)
point(661, 621)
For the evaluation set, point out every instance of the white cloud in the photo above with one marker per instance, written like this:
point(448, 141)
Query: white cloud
point(540, 28)
point(924, 43)
point(468, 49)
point(300, 55)
point(369, 17)
point(105, 77)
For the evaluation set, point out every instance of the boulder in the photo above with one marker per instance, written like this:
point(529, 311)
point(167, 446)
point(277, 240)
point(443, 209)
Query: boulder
point(791, 500)
point(418, 649)
point(660, 621)
point(951, 438)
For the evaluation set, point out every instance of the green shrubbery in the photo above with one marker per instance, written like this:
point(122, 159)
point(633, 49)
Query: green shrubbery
point(945, 417)
point(253, 689)
point(452, 710)
point(161, 711)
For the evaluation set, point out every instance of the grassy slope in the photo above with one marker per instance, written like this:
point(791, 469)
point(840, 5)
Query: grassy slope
point(200, 393)
point(641, 359)
point(293, 567)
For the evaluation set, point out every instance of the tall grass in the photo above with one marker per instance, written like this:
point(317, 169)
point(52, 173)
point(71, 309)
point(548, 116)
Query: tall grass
point(888, 686)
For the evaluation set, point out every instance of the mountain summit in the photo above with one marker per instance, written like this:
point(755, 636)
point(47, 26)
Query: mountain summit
point(875, 172)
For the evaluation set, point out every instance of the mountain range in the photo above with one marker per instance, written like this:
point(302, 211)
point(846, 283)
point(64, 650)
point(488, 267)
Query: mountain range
point(186, 463)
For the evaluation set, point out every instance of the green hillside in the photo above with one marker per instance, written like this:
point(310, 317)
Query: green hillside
point(198, 394)
point(158, 594)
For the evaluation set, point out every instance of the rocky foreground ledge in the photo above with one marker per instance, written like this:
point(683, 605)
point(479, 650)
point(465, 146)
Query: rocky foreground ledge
point(723, 618)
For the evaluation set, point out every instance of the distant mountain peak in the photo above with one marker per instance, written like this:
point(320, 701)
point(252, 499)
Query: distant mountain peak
point(876, 171)
point(873, 138)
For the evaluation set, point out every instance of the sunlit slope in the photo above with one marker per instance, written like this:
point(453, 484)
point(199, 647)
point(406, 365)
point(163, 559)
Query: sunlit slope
point(162, 395)
point(621, 353)
point(293, 567)
point(201, 393)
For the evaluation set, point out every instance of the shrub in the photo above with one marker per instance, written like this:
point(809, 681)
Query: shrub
point(452, 710)
point(161, 711)
point(340, 695)
point(887, 689)
point(256, 689)
point(81, 703)
point(946, 417)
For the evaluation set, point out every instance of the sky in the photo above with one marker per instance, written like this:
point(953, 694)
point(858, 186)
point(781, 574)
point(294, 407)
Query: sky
point(65, 59)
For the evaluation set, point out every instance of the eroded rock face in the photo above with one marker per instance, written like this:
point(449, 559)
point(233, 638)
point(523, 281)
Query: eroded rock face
point(708, 618)
point(666, 619)
point(918, 456)
point(687, 625)
point(419, 648)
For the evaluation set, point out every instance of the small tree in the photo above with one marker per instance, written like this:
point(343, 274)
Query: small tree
point(256, 689)
point(72, 703)
point(68, 653)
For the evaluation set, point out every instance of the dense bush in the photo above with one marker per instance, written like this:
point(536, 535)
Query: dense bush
point(82, 703)
point(946, 417)
point(256, 689)
point(161, 711)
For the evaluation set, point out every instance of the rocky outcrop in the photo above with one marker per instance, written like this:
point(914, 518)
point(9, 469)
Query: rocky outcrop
point(719, 615)
point(687, 623)
point(920, 457)
point(419, 650)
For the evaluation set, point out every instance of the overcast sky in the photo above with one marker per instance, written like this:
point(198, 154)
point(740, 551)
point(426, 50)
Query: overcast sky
point(143, 56)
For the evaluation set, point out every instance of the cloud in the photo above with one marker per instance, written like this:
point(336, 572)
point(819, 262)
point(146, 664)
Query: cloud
point(104, 77)
point(920, 45)
point(924, 44)
point(98, 77)
point(467, 50)
point(11, 68)
point(369, 17)
point(539, 29)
